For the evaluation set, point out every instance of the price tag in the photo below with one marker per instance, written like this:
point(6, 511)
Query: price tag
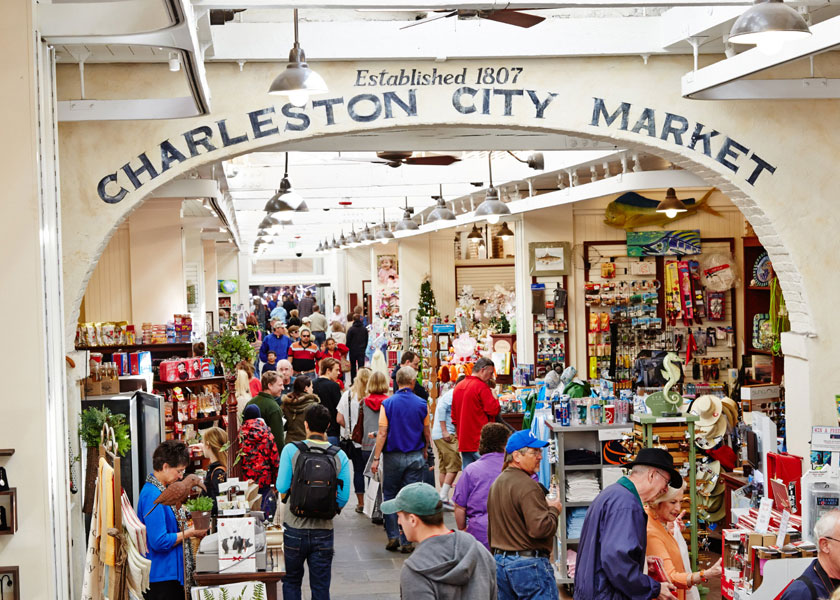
point(783, 527)
point(762, 523)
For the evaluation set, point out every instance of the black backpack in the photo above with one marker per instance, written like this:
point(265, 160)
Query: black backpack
point(314, 489)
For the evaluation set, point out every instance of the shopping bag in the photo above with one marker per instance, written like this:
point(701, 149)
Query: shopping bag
point(371, 496)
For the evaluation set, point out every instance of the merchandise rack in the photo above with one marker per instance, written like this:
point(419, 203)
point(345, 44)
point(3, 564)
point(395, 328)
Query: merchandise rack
point(590, 437)
point(647, 426)
point(561, 313)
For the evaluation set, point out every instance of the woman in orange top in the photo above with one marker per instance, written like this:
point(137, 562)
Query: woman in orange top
point(662, 514)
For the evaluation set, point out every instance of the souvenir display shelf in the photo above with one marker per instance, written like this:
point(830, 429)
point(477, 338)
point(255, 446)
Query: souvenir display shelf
point(582, 436)
point(671, 432)
point(756, 301)
point(11, 493)
point(634, 338)
point(546, 331)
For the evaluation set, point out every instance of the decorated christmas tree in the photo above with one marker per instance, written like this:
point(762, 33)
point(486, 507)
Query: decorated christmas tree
point(426, 307)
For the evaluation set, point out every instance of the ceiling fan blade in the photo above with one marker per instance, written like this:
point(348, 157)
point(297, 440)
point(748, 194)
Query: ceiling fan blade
point(442, 161)
point(513, 17)
point(424, 21)
point(362, 160)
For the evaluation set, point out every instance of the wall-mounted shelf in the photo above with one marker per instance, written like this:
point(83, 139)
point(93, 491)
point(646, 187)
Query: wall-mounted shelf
point(7, 451)
point(188, 382)
point(11, 515)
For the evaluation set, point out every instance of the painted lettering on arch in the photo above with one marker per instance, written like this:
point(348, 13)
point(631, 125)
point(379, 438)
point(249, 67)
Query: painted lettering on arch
point(674, 128)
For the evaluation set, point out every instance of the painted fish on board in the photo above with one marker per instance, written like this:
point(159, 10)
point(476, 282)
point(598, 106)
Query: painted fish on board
point(631, 211)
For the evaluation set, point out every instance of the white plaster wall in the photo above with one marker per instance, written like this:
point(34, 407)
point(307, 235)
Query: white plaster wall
point(108, 293)
point(158, 289)
point(23, 424)
point(442, 267)
point(357, 263)
point(792, 136)
point(211, 295)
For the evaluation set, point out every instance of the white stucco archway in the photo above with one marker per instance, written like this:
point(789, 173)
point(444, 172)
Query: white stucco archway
point(735, 147)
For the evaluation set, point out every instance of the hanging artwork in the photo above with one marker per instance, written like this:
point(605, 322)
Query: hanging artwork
point(631, 211)
point(388, 286)
point(661, 243)
point(549, 259)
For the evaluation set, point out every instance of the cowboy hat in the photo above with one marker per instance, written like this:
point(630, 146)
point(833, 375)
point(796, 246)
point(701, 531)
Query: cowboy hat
point(713, 517)
point(708, 410)
point(715, 430)
point(660, 459)
point(712, 503)
point(730, 408)
point(707, 476)
point(719, 488)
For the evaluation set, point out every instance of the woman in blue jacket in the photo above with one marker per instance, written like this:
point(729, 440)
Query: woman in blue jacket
point(165, 530)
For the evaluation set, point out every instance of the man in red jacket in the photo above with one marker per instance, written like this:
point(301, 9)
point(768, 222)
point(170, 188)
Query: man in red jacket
point(473, 406)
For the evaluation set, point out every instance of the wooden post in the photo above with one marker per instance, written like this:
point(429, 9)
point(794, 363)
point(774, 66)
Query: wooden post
point(232, 426)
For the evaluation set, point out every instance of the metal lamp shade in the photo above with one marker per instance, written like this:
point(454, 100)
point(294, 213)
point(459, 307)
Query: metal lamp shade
point(366, 235)
point(268, 222)
point(475, 234)
point(440, 213)
point(279, 201)
point(407, 223)
point(384, 234)
point(768, 21)
point(505, 232)
point(492, 206)
point(671, 204)
point(297, 81)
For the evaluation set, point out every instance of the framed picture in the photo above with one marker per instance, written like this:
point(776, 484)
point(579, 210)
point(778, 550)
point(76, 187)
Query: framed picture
point(208, 321)
point(549, 259)
point(9, 589)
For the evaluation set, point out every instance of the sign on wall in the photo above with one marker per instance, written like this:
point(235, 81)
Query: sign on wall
point(662, 243)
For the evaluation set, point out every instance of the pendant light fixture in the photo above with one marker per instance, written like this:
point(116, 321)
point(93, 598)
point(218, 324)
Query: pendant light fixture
point(334, 244)
point(384, 235)
point(440, 212)
point(671, 205)
point(297, 81)
point(505, 232)
point(366, 235)
point(475, 235)
point(769, 24)
point(407, 223)
point(492, 208)
point(268, 222)
point(285, 198)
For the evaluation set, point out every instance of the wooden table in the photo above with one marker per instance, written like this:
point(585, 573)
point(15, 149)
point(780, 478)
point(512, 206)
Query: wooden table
point(270, 578)
point(514, 419)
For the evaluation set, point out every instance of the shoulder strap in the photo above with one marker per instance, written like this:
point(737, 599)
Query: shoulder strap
point(301, 446)
point(332, 450)
point(810, 585)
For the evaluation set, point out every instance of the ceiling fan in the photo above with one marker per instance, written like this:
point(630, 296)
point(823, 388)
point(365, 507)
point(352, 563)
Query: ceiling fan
point(508, 16)
point(396, 159)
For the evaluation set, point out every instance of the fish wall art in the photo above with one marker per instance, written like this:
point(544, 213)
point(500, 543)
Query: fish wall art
point(632, 210)
point(662, 243)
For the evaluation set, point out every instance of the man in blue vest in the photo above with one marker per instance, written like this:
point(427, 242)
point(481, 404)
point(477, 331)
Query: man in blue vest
point(277, 341)
point(822, 576)
point(401, 444)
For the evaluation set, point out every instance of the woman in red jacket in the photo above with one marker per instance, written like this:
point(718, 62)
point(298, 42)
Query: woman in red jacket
point(333, 350)
point(260, 460)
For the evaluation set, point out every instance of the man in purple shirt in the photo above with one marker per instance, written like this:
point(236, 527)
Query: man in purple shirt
point(472, 489)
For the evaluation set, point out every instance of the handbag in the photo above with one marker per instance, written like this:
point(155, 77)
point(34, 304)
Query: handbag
point(347, 444)
point(345, 365)
point(358, 431)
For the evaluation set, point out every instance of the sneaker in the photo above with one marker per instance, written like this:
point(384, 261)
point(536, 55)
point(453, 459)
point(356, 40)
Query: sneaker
point(377, 520)
point(393, 545)
point(407, 549)
point(360, 509)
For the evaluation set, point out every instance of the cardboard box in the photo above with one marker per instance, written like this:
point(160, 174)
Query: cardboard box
point(760, 392)
point(93, 388)
point(109, 386)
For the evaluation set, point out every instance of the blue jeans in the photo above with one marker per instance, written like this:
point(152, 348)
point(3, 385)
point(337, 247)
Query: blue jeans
point(311, 546)
point(468, 458)
point(398, 470)
point(320, 337)
point(525, 578)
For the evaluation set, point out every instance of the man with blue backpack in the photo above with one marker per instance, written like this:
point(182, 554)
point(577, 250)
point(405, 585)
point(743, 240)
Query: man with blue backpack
point(314, 481)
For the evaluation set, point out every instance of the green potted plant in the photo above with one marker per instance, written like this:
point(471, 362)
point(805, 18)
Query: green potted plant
point(200, 511)
point(90, 431)
point(228, 348)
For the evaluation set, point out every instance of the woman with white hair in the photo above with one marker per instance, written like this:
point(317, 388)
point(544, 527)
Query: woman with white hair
point(663, 512)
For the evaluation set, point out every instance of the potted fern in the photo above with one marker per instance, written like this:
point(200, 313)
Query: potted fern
point(228, 348)
point(200, 511)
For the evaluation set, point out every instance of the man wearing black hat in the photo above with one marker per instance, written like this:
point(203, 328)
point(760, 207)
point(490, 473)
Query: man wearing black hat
point(613, 541)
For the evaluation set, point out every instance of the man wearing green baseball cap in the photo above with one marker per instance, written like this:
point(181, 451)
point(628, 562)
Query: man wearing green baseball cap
point(445, 563)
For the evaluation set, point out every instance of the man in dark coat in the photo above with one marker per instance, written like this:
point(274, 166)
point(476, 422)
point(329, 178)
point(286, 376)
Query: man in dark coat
point(611, 554)
point(822, 576)
point(357, 341)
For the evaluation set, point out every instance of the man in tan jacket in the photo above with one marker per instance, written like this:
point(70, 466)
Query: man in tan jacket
point(521, 523)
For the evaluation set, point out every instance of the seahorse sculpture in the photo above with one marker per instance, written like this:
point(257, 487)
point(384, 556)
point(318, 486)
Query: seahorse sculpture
point(666, 400)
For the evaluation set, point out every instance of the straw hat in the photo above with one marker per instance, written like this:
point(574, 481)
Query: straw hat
point(708, 409)
point(713, 517)
point(707, 476)
point(718, 489)
point(730, 409)
point(712, 503)
point(715, 430)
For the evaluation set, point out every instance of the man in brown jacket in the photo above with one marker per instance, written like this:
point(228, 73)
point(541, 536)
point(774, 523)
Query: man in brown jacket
point(521, 523)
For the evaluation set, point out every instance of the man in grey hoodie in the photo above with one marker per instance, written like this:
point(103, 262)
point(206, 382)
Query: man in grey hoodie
point(446, 564)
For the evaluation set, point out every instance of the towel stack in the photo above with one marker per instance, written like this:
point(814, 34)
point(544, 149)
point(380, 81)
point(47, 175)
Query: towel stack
point(582, 486)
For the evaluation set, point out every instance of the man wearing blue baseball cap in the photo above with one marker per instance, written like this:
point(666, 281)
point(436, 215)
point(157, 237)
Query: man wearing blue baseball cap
point(521, 523)
point(445, 563)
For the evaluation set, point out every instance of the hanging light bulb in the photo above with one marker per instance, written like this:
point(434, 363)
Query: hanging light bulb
point(475, 235)
point(407, 223)
point(440, 212)
point(505, 232)
point(297, 81)
point(671, 205)
point(492, 208)
point(285, 198)
point(769, 24)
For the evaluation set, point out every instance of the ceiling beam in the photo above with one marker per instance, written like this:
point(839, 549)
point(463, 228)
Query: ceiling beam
point(701, 84)
point(431, 5)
